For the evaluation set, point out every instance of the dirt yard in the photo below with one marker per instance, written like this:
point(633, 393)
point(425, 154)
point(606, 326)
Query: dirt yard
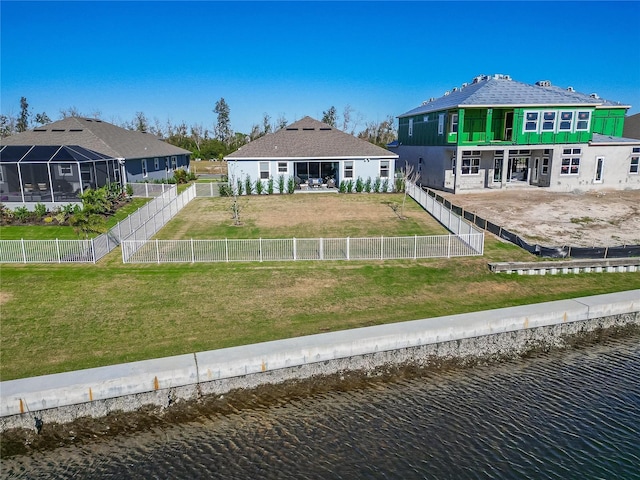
point(604, 219)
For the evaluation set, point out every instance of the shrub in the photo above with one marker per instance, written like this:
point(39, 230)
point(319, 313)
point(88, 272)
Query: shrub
point(259, 189)
point(385, 185)
point(129, 189)
point(349, 186)
point(377, 184)
point(399, 184)
point(40, 210)
point(291, 185)
point(343, 187)
point(367, 185)
point(270, 186)
point(22, 214)
point(180, 175)
point(225, 190)
point(359, 185)
point(281, 184)
point(248, 185)
point(240, 187)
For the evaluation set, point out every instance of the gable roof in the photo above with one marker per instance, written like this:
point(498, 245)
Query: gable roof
point(98, 136)
point(500, 90)
point(308, 138)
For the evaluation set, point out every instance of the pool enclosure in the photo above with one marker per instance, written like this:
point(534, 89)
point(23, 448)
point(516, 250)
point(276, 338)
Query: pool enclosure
point(55, 173)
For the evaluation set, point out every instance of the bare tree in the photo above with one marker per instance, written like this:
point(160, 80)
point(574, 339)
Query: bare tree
point(70, 112)
point(409, 176)
point(281, 122)
point(266, 124)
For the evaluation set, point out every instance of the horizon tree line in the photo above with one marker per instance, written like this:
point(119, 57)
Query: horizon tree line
point(202, 142)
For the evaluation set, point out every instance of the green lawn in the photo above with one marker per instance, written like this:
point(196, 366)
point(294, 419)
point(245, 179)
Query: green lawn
point(57, 318)
point(49, 232)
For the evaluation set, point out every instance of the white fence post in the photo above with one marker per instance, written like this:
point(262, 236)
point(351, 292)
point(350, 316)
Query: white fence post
point(193, 256)
point(226, 245)
point(24, 252)
point(58, 250)
point(348, 248)
point(157, 251)
point(93, 251)
point(295, 248)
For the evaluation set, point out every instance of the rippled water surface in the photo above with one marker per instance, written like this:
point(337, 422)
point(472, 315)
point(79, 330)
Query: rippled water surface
point(566, 414)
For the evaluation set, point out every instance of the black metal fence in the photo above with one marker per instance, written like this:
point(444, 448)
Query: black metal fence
point(623, 251)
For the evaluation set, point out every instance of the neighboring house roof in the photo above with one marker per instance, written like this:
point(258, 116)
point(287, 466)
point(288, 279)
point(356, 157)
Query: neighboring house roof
point(632, 126)
point(48, 153)
point(98, 136)
point(308, 138)
point(500, 90)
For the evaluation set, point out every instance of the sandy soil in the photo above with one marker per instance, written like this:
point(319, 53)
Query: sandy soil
point(607, 218)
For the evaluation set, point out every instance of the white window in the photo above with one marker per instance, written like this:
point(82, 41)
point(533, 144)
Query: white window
point(425, 118)
point(1, 175)
point(384, 168)
point(167, 163)
point(548, 121)
point(470, 162)
point(156, 164)
point(566, 122)
point(531, 121)
point(582, 121)
point(599, 170)
point(64, 170)
point(283, 167)
point(441, 124)
point(348, 169)
point(411, 127)
point(453, 126)
point(264, 170)
point(635, 161)
point(174, 162)
point(570, 161)
point(144, 168)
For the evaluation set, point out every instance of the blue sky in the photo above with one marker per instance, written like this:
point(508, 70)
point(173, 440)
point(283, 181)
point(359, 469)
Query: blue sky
point(174, 60)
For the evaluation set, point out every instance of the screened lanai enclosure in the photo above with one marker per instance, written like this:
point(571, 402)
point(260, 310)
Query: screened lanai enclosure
point(57, 173)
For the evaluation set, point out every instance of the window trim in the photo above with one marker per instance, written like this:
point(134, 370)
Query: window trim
point(599, 163)
point(156, 163)
point(264, 174)
point(411, 127)
point(281, 169)
point(348, 168)
point(634, 165)
point(472, 160)
point(145, 172)
point(441, 124)
point(453, 123)
point(174, 163)
point(384, 168)
point(62, 167)
point(549, 121)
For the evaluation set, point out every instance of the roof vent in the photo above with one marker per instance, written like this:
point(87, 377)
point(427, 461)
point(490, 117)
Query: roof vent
point(465, 85)
point(447, 93)
point(543, 83)
point(570, 89)
point(454, 89)
point(39, 129)
point(478, 79)
point(292, 128)
point(595, 95)
point(57, 129)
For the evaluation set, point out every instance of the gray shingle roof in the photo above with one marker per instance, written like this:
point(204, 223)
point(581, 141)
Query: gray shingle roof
point(493, 92)
point(309, 138)
point(96, 135)
point(598, 138)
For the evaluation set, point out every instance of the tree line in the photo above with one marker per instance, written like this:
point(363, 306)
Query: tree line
point(203, 142)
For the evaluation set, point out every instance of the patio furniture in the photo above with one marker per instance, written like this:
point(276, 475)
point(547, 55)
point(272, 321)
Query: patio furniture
point(315, 182)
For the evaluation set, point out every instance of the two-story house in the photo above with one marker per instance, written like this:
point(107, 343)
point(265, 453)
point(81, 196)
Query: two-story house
point(498, 133)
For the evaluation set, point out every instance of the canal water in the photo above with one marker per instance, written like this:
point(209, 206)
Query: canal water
point(563, 414)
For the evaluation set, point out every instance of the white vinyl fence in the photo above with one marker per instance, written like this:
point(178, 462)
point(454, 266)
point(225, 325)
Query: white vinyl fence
point(292, 249)
point(47, 251)
point(138, 225)
point(153, 189)
point(452, 221)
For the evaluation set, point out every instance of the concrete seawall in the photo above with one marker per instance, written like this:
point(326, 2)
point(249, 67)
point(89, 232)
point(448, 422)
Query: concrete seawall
point(96, 392)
